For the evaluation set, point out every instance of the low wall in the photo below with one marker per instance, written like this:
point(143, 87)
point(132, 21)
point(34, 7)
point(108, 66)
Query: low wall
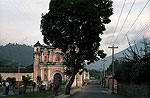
point(133, 90)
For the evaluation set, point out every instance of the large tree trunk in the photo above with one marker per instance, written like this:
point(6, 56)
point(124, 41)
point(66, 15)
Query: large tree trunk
point(68, 87)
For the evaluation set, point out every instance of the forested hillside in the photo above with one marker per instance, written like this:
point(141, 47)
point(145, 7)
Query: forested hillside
point(8, 63)
point(16, 54)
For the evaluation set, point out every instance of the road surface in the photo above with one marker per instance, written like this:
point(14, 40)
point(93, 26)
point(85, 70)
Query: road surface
point(94, 90)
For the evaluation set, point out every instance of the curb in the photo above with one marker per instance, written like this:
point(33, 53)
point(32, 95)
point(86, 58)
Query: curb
point(72, 92)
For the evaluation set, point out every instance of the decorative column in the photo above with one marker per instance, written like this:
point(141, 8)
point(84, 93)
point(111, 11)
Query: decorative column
point(48, 56)
point(52, 56)
point(48, 75)
point(41, 73)
point(41, 57)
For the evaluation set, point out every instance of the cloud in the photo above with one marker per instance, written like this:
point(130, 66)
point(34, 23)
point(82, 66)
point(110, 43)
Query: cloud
point(127, 1)
point(147, 34)
point(20, 21)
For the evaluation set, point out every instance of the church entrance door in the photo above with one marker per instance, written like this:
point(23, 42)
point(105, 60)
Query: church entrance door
point(57, 78)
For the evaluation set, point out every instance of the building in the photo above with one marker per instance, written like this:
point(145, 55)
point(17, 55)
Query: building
point(48, 64)
point(17, 73)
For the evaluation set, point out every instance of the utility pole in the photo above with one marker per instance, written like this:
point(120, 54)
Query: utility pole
point(113, 67)
point(104, 67)
point(100, 75)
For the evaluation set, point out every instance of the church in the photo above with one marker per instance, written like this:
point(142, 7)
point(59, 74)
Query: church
point(48, 64)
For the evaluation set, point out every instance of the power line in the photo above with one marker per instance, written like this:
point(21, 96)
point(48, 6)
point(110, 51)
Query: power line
point(143, 29)
point(25, 9)
point(135, 20)
point(26, 21)
point(118, 21)
point(25, 6)
point(21, 13)
point(125, 21)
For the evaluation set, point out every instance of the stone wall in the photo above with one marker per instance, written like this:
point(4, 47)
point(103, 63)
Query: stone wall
point(133, 90)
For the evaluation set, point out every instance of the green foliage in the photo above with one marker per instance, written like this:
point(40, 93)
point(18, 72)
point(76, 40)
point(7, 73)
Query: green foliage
point(8, 63)
point(39, 83)
point(134, 68)
point(94, 73)
point(30, 66)
point(45, 94)
point(12, 81)
point(26, 81)
point(74, 26)
point(39, 79)
point(16, 55)
point(109, 69)
point(1, 78)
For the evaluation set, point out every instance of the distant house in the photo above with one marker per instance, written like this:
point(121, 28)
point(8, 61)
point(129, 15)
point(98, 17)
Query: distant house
point(17, 73)
point(109, 83)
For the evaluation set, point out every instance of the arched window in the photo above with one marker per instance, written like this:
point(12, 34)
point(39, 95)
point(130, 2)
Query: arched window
point(45, 74)
point(37, 49)
point(45, 58)
point(57, 56)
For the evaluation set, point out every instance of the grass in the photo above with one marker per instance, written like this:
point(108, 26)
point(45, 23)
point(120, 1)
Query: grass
point(43, 94)
point(1, 89)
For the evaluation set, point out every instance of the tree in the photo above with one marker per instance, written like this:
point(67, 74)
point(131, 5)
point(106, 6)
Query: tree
point(135, 66)
point(1, 78)
point(39, 82)
point(94, 73)
point(12, 81)
point(30, 66)
point(26, 81)
point(74, 26)
point(33, 85)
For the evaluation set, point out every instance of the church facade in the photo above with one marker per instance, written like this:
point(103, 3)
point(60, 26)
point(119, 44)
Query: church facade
point(48, 64)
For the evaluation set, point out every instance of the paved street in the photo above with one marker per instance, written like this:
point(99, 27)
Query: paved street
point(95, 91)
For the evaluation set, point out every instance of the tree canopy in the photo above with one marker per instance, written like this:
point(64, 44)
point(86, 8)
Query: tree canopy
point(75, 27)
point(134, 67)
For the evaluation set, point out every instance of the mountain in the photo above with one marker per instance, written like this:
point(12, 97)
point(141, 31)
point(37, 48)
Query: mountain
point(8, 63)
point(98, 65)
point(17, 54)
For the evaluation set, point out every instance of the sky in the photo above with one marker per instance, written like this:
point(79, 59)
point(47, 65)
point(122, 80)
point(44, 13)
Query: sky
point(20, 23)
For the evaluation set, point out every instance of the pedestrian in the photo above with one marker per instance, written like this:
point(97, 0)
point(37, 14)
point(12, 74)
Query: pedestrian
point(7, 88)
point(4, 88)
point(55, 90)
